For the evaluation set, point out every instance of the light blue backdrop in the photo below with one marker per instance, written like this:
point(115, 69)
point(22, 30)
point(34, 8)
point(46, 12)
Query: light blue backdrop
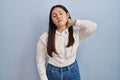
point(23, 21)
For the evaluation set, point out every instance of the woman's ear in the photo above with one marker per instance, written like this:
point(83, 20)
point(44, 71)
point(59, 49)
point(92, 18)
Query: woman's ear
point(68, 15)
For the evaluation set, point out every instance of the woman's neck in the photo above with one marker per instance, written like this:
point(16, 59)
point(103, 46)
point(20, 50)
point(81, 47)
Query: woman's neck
point(61, 29)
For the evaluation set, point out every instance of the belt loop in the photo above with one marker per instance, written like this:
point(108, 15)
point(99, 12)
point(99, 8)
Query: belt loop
point(68, 68)
point(53, 68)
point(61, 73)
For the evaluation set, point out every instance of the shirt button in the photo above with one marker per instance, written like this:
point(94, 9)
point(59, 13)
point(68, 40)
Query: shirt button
point(65, 32)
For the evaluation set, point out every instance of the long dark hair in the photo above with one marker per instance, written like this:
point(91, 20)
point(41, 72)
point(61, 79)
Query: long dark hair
point(51, 33)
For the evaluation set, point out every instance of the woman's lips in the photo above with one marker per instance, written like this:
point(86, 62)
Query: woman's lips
point(59, 21)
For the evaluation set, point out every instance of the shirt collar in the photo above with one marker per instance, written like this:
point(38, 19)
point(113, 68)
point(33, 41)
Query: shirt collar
point(63, 32)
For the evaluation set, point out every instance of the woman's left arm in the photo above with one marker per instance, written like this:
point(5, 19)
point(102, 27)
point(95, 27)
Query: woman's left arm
point(86, 28)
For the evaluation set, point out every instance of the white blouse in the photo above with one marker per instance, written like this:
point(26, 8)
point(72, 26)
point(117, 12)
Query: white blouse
point(66, 55)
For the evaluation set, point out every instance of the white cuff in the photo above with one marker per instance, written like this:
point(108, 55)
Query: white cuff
point(44, 77)
point(78, 23)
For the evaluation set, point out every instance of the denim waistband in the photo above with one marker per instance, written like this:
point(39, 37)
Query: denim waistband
point(50, 66)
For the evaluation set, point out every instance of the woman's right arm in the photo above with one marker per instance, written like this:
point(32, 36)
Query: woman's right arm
point(41, 56)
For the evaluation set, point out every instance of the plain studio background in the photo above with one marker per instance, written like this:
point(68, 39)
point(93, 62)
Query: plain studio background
point(23, 21)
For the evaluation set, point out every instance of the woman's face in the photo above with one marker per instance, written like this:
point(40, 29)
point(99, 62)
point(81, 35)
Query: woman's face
point(59, 17)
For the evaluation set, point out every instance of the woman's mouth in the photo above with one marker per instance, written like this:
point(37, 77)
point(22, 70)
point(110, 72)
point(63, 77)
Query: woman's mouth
point(59, 21)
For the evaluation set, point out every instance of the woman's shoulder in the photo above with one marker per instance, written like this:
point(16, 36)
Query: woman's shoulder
point(43, 38)
point(44, 35)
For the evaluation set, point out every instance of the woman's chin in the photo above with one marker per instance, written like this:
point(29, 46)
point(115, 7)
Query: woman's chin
point(62, 24)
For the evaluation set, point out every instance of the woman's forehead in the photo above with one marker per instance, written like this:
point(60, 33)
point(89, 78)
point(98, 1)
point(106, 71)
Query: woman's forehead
point(57, 9)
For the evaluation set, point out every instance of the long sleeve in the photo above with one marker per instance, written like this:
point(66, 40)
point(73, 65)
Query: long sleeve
point(41, 57)
point(86, 28)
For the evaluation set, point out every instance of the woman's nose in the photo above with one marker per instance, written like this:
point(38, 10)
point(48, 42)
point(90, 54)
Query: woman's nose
point(58, 16)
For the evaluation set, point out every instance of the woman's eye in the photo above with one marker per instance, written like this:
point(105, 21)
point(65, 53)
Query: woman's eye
point(54, 16)
point(60, 13)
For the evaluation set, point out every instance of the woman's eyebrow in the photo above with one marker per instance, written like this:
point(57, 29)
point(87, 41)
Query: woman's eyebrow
point(55, 12)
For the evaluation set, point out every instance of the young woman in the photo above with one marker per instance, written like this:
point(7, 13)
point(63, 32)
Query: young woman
point(59, 45)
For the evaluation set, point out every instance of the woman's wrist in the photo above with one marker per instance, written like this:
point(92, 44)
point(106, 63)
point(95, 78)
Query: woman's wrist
point(73, 22)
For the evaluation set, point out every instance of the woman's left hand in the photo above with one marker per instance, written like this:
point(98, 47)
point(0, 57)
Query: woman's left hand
point(71, 22)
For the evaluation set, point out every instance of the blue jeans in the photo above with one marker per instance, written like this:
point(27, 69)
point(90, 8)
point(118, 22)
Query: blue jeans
point(70, 72)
